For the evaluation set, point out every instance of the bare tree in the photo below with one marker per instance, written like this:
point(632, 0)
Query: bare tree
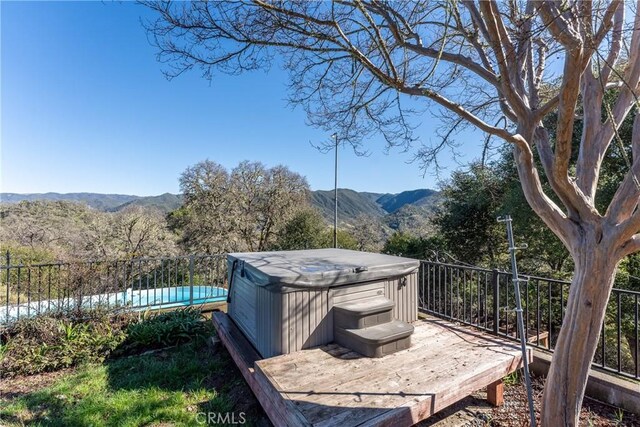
point(369, 232)
point(57, 227)
point(501, 67)
point(71, 231)
point(202, 220)
point(241, 210)
point(138, 231)
point(264, 199)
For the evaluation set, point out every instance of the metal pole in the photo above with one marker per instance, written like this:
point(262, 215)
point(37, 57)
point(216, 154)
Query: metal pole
point(523, 343)
point(8, 284)
point(335, 197)
point(191, 280)
point(495, 281)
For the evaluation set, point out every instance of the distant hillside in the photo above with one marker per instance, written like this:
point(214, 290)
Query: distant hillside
point(372, 196)
point(166, 202)
point(383, 206)
point(392, 202)
point(103, 202)
point(351, 203)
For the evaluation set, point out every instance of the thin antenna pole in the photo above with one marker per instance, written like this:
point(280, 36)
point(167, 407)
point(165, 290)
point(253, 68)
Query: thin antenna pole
point(523, 343)
point(335, 197)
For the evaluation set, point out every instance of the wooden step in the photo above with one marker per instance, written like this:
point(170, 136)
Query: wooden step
point(363, 313)
point(376, 341)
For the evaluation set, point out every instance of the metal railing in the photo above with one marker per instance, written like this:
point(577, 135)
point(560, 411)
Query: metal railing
point(470, 295)
point(137, 284)
point(484, 298)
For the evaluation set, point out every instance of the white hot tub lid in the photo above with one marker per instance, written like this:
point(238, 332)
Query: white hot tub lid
point(319, 268)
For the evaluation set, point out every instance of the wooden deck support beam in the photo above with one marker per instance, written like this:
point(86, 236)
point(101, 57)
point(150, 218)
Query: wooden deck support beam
point(495, 393)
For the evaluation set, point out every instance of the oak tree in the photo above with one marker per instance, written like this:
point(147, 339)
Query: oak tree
point(241, 210)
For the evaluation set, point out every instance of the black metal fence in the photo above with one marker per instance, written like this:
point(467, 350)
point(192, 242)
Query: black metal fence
point(474, 296)
point(138, 284)
point(485, 299)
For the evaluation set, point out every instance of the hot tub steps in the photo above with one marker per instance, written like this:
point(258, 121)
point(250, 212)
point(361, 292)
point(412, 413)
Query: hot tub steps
point(378, 340)
point(367, 326)
point(363, 313)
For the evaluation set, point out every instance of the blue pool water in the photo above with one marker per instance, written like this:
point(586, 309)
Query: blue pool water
point(133, 299)
point(175, 296)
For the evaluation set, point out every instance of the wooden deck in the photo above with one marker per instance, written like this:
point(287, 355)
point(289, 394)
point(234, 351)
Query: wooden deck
point(332, 386)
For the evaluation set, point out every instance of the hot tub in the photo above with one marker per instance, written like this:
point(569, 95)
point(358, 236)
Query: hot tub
point(283, 301)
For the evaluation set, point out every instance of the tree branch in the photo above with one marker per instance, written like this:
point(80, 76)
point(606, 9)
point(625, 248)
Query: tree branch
point(561, 28)
point(566, 191)
point(419, 48)
point(616, 40)
point(631, 246)
point(379, 39)
point(460, 111)
point(630, 91)
point(592, 145)
point(624, 203)
point(542, 205)
point(505, 56)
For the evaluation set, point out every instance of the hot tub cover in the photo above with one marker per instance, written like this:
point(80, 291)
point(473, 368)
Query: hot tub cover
point(318, 268)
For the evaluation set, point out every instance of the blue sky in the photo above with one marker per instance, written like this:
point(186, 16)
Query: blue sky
point(85, 107)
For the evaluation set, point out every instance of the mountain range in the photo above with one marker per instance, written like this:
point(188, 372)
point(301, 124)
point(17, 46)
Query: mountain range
point(351, 204)
point(166, 202)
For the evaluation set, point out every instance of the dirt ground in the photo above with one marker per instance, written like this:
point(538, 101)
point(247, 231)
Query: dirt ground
point(475, 411)
point(11, 388)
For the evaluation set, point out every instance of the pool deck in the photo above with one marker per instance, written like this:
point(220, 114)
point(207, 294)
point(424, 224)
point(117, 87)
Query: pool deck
point(333, 386)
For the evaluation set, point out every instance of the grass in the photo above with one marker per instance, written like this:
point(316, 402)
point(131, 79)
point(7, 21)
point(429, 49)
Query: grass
point(513, 378)
point(169, 387)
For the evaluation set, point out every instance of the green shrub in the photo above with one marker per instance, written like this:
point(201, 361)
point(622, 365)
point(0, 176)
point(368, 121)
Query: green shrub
point(52, 342)
point(48, 343)
point(167, 329)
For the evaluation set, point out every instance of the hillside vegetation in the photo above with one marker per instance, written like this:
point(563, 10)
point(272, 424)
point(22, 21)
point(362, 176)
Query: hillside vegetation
point(45, 230)
point(351, 204)
point(166, 202)
point(248, 208)
point(393, 202)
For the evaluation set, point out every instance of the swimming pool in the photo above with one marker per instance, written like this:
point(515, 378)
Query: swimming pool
point(132, 299)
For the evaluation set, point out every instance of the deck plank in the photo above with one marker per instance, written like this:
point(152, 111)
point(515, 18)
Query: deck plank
point(332, 386)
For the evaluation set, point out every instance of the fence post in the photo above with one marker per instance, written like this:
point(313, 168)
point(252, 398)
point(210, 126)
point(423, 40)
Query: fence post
point(8, 285)
point(495, 281)
point(190, 280)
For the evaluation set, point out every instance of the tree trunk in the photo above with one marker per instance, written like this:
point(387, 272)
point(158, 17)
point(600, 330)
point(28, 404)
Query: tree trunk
point(579, 335)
